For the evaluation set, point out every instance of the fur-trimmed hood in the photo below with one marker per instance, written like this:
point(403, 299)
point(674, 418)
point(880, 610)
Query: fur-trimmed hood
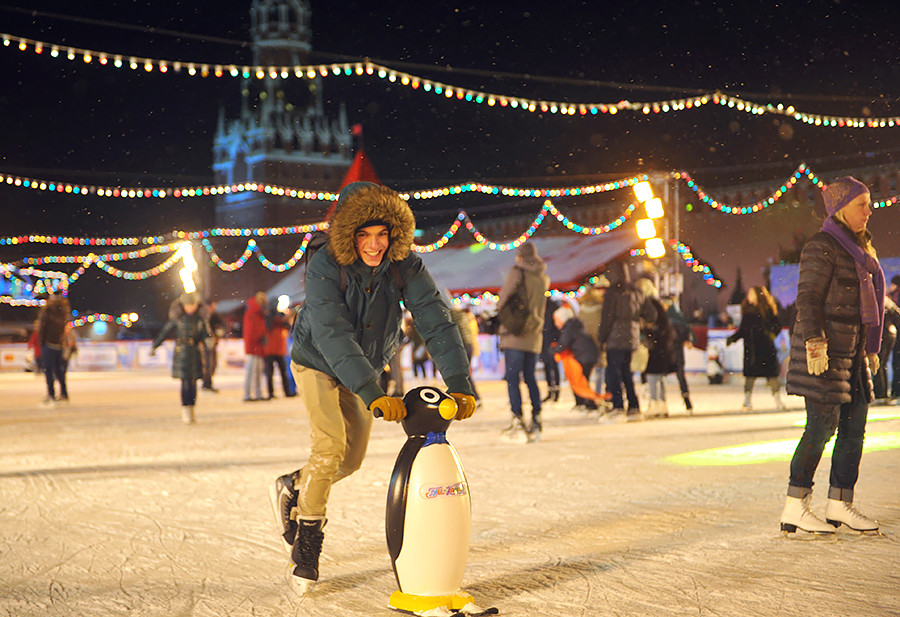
point(363, 202)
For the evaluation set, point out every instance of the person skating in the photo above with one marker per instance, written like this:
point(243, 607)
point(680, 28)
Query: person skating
point(623, 308)
point(217, 331)
point(759, 328)
point(53, 318)
point(548, 355)
point(520, 351)
point(347, 331)
point(254, 335)
point(574, 340)
point(834, 347)
point(684, 335)
point(659, 337)
point(190, 330)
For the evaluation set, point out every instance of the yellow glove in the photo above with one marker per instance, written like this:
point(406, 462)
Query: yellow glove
point(465, 404)
point(874, 363)
point(390, 408)
point(817, 356)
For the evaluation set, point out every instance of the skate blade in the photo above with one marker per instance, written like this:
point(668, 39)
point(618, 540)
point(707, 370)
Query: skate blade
point(473, 610)
point(300, 586)
point(789, 530)
point(858, 532)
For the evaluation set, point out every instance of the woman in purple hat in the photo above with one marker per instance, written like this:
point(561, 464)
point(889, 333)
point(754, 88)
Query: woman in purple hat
point(834, 347)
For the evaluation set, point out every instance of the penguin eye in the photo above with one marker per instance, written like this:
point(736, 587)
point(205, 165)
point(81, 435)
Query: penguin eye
point(430, 396)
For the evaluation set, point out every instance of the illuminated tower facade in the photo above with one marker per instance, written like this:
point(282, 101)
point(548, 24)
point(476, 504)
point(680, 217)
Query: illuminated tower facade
point(282, 137)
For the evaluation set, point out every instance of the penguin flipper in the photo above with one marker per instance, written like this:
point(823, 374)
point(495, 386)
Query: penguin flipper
point(398, 493)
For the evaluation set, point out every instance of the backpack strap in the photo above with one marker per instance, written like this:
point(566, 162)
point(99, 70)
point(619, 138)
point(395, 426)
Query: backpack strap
point(398, 279)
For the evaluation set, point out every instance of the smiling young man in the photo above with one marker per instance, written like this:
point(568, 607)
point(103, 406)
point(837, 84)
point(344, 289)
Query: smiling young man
point(345, 334)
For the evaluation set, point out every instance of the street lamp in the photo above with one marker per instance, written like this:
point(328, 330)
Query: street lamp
point(655, 248)
point(654, 208)
point(186, 254)
point(645, 229)
point(643, 191)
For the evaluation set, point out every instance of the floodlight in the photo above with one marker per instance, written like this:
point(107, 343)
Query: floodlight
point(655, 248)
point(645, 229)
point(654, 208)
point(643, 191)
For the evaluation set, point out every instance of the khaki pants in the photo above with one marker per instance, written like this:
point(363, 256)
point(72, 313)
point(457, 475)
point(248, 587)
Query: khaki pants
point(339, 426)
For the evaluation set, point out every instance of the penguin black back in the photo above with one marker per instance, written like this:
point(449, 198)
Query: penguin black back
point(428, 410)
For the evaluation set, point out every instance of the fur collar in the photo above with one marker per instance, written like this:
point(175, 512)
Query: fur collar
point(364, 203)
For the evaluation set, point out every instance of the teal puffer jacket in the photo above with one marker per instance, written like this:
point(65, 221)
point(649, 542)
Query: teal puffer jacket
point(351, 336)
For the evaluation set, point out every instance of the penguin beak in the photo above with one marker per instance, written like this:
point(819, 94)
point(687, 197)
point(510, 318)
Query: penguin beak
point(448, 408)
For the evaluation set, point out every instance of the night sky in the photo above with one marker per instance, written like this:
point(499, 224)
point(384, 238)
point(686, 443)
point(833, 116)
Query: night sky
point(64, 120)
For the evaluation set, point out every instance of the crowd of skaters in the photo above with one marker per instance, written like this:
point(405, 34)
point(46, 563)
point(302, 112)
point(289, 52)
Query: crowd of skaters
point(346, 337)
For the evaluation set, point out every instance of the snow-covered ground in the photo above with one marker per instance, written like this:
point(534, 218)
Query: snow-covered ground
point(111, 506)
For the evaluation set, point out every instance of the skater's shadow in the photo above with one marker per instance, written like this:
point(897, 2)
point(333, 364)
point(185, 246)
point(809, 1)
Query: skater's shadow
point(374, 580)
point(545, 576)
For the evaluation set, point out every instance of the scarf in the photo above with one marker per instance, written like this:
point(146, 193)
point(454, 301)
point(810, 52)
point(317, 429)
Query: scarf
point(871, 284)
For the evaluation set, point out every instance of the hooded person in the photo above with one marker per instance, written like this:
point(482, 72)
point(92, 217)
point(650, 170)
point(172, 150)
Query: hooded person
point(189, 329)
point(346, 333)
point(834, 346)
point(620, 330)
point(520, 351)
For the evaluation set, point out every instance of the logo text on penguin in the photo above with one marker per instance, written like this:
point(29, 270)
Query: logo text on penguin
point(454, 490)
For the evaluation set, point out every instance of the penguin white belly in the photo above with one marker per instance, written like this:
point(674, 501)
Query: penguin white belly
point(437, 524)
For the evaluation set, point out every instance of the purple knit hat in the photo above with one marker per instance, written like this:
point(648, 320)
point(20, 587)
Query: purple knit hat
point(841, 192)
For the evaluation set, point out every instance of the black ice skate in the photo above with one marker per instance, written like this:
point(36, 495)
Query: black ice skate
point(284, 500)
point(306, 551)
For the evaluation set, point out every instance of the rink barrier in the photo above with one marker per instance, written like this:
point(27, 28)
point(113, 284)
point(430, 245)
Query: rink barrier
point(135, 354)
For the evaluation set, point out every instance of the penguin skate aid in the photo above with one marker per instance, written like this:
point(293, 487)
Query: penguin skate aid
point(429, 512)
point(345, 334)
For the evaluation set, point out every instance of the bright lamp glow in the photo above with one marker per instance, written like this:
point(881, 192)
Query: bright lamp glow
point(654, 208)
point(645, 229)
point(284, 301)
point(186, 253)
point(643, 191)
point(655, 248)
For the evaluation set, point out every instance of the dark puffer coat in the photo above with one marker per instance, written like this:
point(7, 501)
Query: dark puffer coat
point(659, 336)
point(759, 332)
point(575, 338)
point(189, 332)
point(828, 306)
point(623, 308)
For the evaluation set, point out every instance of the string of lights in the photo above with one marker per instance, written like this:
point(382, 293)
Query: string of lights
point(367, 68)
point(684, 251)
point(754, 207)
point(59, 186)
point(684, 176)
point(59, 281)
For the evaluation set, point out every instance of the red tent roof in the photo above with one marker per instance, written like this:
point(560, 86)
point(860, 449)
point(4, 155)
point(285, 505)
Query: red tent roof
point(361, 170)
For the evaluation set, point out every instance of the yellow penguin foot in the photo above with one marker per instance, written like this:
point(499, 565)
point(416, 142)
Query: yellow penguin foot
point(424, 605)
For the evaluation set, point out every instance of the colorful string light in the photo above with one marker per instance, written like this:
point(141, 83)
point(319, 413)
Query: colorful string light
point(446, 91)
point(50, 281)
point(684, 251)
point(55, 186)
point(802, 169)
point(123, 320)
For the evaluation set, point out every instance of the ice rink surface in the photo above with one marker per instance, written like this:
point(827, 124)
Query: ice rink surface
point(111, 506)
